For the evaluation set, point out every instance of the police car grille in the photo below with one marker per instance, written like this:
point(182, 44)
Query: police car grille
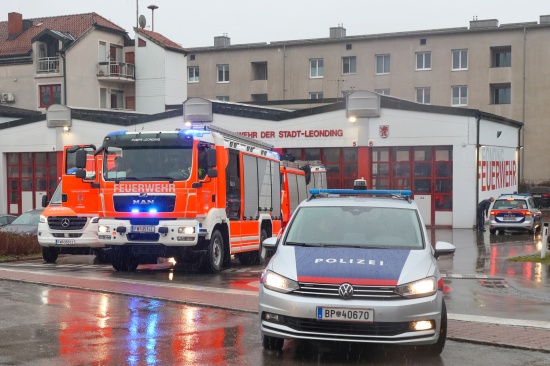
point(348, 328)
point(67, 223)
point(359, 292)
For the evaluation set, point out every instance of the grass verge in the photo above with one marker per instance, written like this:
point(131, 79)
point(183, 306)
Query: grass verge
point(531, 258)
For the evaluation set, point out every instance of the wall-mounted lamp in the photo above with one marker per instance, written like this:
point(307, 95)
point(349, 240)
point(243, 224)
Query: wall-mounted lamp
point(352, 119)
point(66, 129)
point(521, 146)
point(188, 124)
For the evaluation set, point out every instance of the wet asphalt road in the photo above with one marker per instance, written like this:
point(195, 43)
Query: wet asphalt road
point(43, 325)
point(53, 326)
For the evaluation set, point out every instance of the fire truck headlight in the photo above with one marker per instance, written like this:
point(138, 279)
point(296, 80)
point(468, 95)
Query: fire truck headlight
point(103, 229)
point(43, 219)
point(186, 230)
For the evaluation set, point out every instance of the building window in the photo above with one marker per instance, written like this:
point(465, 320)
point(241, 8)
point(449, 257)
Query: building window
point(382, 64)
point(348, 65)
point(223, 98)
point(348, 46)
point(382, 91)
point(423, 95)
point(501, 56)
point(49, 94)
point(460, 59)
point(259, 70)
point(422, 41)
point(193, 74)
point(103, 98)
point(316, 68)
point(501, 93)
point(259, 97)
point(223, 73)
point(460, 95)
point(423, 60)
point(191, 57)
point(117, 99)
point(316, 95)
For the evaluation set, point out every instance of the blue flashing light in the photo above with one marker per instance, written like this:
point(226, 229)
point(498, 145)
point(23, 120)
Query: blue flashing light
point(198, 133)
point(117, 133)
point(135, 210)
point(369, 192)
point(153, 210)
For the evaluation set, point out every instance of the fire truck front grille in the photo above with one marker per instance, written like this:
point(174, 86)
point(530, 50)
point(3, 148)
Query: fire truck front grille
point(149, 203)
point(66, 235)
point(67, 222)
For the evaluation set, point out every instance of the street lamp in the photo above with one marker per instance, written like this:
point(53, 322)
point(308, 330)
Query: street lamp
point(152, 7)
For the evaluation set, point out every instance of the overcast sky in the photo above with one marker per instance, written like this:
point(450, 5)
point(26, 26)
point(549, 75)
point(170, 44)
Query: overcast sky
point(196, 23)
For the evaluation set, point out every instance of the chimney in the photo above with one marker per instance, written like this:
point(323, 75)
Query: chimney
point(15, 24)
point(486, 23)
point(338, 32)
point(222, 41)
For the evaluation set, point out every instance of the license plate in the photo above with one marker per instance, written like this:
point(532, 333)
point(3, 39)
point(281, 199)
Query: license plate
point(143, 229)
point(64, 241)
point(346, 314)
point(509, 218)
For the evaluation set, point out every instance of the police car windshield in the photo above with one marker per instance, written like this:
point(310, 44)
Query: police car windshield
point(365, 227)
point(147, 164)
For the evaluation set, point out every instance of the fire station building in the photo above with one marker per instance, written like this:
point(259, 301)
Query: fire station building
point(451, 158)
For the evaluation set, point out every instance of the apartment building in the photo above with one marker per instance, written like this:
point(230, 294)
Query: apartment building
point(497, 68)
point(87, 61)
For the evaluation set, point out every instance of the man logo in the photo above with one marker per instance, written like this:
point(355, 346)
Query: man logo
point(65, 222)
point(345, 291)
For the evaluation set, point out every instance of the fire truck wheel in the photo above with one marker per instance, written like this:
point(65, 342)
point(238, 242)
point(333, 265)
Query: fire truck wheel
point(49, 254)
point(123, 261)
point(214, 254)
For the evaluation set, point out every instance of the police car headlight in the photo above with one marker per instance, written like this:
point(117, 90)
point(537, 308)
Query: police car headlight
point(43, 219)
point(420, 288)
point(276, 282)
point(103, 229)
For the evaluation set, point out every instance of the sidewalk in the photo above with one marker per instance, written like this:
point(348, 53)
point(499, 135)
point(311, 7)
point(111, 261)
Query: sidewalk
point(528, 335)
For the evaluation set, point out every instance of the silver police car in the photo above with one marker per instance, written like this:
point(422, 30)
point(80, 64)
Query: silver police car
point(354, 266)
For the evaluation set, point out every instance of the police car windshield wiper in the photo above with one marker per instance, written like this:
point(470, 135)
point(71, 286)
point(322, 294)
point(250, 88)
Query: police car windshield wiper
point(295, 243)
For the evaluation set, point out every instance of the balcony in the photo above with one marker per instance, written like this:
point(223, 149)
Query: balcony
point(116, 71)
point(48, 65)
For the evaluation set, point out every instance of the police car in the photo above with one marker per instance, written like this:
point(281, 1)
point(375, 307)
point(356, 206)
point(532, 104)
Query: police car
point(514, 212)
point(354, 266)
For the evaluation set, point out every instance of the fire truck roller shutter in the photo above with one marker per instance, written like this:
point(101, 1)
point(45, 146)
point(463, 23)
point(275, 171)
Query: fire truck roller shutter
point(251, 187)
point(276, 189)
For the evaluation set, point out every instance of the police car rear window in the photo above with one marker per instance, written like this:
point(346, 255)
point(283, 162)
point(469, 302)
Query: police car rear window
point(369, 227)
point(510, 204)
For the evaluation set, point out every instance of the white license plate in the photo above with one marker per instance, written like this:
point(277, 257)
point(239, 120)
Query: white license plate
point(143, 229)
point(346, 314)
point(65, 241)
point(509, 218)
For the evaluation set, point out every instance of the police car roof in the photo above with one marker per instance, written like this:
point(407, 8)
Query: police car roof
point(365, 198)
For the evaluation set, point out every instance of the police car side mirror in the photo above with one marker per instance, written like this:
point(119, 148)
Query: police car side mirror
point(443, 248)
point(270, 242)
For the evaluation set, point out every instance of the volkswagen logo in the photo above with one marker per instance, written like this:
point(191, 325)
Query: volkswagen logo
point(345, 291)
point(65, 222)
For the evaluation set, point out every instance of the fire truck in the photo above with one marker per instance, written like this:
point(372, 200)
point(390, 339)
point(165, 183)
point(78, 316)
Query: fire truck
point(199, 196)
point(68, 224)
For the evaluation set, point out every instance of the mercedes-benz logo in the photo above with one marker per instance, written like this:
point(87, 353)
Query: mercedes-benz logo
point(345, 291)
point(65, 222)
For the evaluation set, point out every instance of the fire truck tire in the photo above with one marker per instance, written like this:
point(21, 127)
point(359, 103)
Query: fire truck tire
point(123, 261)
point(49, 254)
point(213, 261)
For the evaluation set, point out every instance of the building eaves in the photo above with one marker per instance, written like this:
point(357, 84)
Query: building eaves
point(370, 37)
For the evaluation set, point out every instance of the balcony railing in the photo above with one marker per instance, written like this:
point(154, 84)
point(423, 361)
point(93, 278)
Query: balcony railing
point(116, 69)
point(48, 64)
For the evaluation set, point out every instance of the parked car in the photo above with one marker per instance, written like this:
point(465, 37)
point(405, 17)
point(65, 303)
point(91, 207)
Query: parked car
point(26, 223)
point(6, 219)
point(514, 212)
point(541, 195)
point(355, 267)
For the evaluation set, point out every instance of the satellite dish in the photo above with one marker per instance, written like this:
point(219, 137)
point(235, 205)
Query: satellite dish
point(142, 21)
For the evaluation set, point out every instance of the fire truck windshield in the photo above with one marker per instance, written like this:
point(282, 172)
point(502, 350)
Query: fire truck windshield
point(146, 163)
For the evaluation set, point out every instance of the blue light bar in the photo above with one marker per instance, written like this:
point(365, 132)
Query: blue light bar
point(369, 192)
point(198, 133)
point(117, 133)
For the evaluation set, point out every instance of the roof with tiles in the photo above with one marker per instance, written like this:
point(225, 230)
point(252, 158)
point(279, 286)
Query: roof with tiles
point(76, 25)
point(160, 40)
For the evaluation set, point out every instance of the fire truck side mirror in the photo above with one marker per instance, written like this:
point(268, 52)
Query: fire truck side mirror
point(80, 158)
point(212, 173)
point(211, 158)
point(80, 173)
